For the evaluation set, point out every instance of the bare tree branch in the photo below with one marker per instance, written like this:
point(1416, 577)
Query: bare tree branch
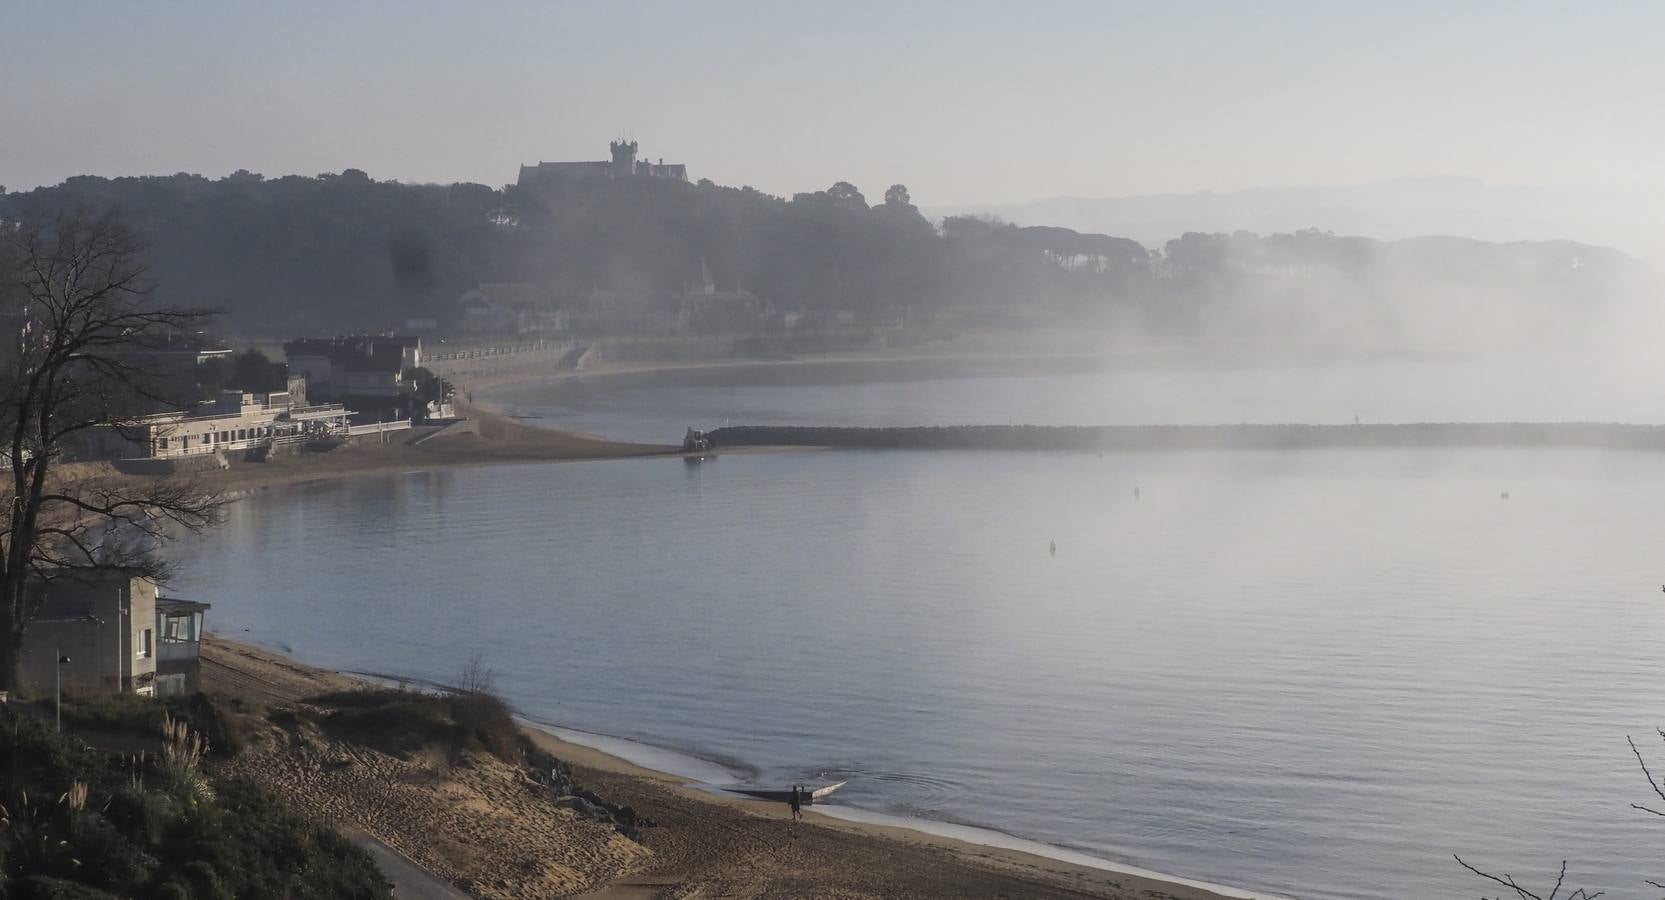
point(80, 360)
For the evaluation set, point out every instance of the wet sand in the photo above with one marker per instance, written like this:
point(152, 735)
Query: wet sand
point(486, 828)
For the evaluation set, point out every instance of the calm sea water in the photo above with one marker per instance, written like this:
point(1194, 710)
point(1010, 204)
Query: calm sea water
point(1316, 674)
point(1133, 390)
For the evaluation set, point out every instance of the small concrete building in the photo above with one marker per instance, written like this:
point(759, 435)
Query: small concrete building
point(104, 623)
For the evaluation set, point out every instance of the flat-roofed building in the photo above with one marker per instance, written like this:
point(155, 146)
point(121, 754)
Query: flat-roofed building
point(239, 420)
point(101, 624)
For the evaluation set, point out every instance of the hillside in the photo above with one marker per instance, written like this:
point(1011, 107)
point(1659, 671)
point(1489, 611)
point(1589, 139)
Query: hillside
point(344, 252)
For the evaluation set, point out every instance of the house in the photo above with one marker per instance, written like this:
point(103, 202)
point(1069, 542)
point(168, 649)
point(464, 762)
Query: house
point(108, 632)
point(178, 646)
point(481, 314)
point(510, 307)
point(94, 629)
point(360, 366)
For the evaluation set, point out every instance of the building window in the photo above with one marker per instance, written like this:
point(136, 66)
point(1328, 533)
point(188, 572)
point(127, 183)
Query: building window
point(205, 437)
point(143, 646)
point(162, 443)
point(176, 628)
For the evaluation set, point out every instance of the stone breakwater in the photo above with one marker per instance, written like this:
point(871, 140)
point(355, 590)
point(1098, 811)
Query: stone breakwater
point(1202, 437)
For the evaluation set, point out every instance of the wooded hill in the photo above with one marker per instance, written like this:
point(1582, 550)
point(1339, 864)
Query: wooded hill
point(342, 252)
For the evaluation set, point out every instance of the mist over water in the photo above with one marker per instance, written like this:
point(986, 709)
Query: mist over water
point(1315, 673)
point(1196, 389)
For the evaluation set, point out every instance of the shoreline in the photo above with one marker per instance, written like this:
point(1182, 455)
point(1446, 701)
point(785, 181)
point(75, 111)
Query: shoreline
point(615, 753)
point(618, 766)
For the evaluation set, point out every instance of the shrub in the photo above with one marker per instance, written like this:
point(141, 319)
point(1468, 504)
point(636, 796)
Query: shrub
point(112, 712)
point(182, 754)
point(226, 724)
point(402, 722)
point(78, 826)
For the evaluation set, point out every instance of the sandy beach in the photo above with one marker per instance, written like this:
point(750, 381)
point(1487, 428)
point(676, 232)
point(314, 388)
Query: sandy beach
point(489, 829)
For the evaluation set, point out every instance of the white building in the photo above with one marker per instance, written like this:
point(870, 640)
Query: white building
point(239, 420)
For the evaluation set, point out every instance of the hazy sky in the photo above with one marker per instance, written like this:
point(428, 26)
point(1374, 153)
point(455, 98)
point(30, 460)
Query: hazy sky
point(963, 101)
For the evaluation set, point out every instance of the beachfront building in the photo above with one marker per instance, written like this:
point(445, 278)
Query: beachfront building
point(178, 646)
point(94, 629)
point(106, 631)
point(239, 420)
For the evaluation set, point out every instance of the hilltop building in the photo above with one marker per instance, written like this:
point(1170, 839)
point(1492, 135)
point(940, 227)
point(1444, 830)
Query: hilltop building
point(623, 165)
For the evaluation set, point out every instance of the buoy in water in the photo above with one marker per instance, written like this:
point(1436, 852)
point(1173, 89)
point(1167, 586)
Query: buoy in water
point(1053, 548)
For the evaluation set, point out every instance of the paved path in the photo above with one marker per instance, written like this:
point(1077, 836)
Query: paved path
point(410, 882)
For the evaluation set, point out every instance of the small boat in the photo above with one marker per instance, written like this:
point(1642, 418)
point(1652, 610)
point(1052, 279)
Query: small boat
point(785, 796)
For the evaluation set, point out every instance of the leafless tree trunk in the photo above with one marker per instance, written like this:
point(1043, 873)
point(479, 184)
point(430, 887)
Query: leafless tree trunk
point(76, 329)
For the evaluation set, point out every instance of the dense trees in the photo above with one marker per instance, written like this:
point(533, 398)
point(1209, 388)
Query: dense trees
point(342, 252)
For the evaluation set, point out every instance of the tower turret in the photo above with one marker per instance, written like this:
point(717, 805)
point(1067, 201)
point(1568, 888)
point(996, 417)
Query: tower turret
point(624, 158)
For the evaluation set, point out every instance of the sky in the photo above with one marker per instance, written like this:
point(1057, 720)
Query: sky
point(965, 102)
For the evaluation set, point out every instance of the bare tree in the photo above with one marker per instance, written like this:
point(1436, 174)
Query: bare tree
point(77, 325)
point(1521, 893)
point(476, 678)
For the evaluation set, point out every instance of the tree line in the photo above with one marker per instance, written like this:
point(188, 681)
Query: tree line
point(343, 252)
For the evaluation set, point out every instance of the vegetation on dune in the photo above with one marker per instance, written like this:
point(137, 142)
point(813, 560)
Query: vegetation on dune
point(402, 722)
point(81, 824)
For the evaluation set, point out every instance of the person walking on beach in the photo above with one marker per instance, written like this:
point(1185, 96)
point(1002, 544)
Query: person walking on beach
point(797, 802)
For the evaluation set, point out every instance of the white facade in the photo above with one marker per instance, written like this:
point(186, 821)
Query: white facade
point(240, 421)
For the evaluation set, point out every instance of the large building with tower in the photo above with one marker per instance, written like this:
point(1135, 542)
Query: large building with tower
point(623, 165)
